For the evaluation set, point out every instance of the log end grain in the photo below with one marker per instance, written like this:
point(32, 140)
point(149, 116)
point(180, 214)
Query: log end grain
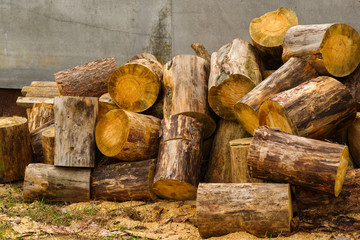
point(174, 189)
point(246, 116)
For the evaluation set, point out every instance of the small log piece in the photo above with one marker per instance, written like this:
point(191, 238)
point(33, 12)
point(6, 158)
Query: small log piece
point(262, 209)
point(36, 141)
point(28, 102)
point(48, 145)
point(40, 114)
point(201, 51)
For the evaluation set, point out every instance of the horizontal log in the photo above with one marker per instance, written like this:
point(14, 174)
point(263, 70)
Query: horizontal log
point(40, 91)
point(28, 102)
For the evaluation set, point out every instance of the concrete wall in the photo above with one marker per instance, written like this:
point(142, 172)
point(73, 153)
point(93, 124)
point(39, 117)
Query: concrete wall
point(40, 37)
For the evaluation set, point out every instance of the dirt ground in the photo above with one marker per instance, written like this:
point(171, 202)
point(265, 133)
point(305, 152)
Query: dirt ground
point(109, 220)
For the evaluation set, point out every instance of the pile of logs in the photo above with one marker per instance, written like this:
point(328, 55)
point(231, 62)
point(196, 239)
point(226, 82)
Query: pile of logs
point(270, 130)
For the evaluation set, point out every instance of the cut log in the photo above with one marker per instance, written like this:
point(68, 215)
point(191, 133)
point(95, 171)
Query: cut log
point(135, 86)
point(318, 108)
point(201, 51)
point(28, 102)
point(291, 74)
point(48, 145)
point(106, 104)
point(40, 114)
point(332, 49)
point(353, 139)
point(36, 141)
point(282, 157)
point(124, 181)
point(267, 34)
point(15, 148)
point(128, 136)
point(75, 119)
point(56, 184)
point(262, 209)
point(352, 82)
point(88, 80)
point(219, 166)
point(43, 84)
point(234, 72)
point(40, 91)
point(181, 127)
point(185, 84)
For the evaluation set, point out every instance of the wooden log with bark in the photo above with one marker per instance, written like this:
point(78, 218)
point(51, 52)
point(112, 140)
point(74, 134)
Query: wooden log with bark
point(48, 145)
point(332, 49)
point(292, 73)
point(262, 209)
point(354, 139)
point(15, 148)
point(87, 80)
point(352, 82)
point(234, 72)
point(36, 141)
point(128, 136)
point(185, 84)
point(56, 184)
point(267, 34)
point(124, 181)
point(282, 157)
point(40, 114)
point(318, 108)
point(75, 119)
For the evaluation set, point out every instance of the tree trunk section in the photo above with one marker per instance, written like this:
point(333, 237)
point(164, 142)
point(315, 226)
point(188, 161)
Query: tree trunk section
point(75, 119)
point(292, 73)
point(36, 141)
point(282, 157)
point(318, 108)
point(40, 114)
point(332, 49)
point(56, 184)
point(353, 139)
point(48, 145)
point(262, 209)
point(88, 80)
point(234, 72)
point(124, 181)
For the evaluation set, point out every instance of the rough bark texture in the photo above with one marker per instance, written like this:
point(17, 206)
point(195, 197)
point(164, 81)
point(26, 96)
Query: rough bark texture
point(185, 84)
point(124, 181)
point(56, 184)
point(340, 223)
point(354, 139)
point(40, 114)
point(181, 127)
point(292, 73)
point(282, 157)
point(48, 145)
point(318, 108)
point(262, 209)
point(332, 49)
point(75, 119)
point(15, 148)
point(36, 141)
point(234, 72)
point(201, 51)
point(352, 82)
point(88, 80)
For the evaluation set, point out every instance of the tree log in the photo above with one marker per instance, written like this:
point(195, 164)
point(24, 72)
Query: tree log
point(318, 108)
point(36, 141)
point(48, 145)
point(40, 114)
point(185, 84)
point(181, 127)
point(352, 82)
point(353, 139)
point(106, 104)
point(332, 49)
point(234, 72)
point(267, 34)
point(291, 74)
point(15, 148)
point(75, 119)
point(124, 181)
point(28, 102)
point(56, 184)
point(135, 86)
point(262, 209)
point(282, 157)
point(128, 136)
point(40, 91)
point(88, 80)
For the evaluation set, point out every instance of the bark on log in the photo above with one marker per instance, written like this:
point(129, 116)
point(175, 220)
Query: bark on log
point(353, 139)
point(15, 148)
point(267, 34)
point(185, 84)
point(56, 184)
point(318, 108)
point(292, 73)
point(332, 49)
point(124, 181)
point(234, 72)
point(282, 157)
point(219, 166)
point(75, 119)
point(88, 80)
point(128, 136)
point(48, 145)
point(181, 127)
point(36, 141)
point(136, 85)
point(262, 209)
point(201, 51)
point(340, 223)
point(40, 114)
point(352, 82)
point(106, 104)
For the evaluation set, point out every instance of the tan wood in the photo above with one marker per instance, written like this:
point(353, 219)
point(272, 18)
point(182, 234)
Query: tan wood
point(28, 102)
point(43, 84)
point(181, 127)
point(354, 139)
point(201, 51)
point(30, 91)
point(48, 145)
point(40, 114)
point(106, 104)
point(36, 141)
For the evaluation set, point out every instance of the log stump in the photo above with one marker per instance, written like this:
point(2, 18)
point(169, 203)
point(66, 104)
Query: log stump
point(48, 145)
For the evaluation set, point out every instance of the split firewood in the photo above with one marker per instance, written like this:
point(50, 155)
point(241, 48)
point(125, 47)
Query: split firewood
point(128, 136)
point(40, 114)
point(30, 91)
point(43, 84)
point(282, 157)
point(354, 139)
point(201, 51)
point(28, 102)
point(56, 184)
point(88, 80)
point(15, 148)
point(75, 119)
point(48, 145)
point(291, 74)
point(36, 141)
point(262, 209)
point(124, 181)
point(234, 72)
point(332, 49)
point(352, 82)
point(318, 108)
point(267, 34)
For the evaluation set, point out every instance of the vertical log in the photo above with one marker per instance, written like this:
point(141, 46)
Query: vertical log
point(40, 114)
point(36, 141)
point(48, 145)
